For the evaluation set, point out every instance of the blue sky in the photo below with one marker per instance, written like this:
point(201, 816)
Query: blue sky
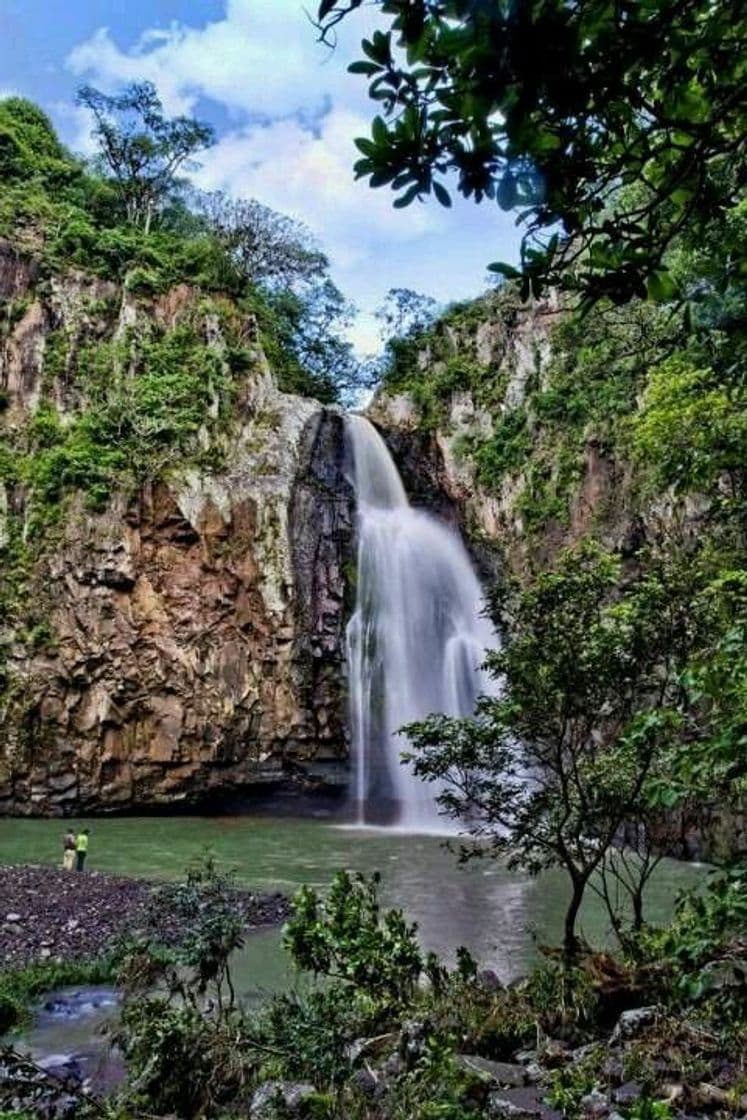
point(286, 113)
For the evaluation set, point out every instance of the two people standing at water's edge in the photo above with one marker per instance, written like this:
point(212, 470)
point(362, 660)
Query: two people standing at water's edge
point(75, 849)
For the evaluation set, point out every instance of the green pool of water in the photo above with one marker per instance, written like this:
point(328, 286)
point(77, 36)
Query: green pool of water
point(499, 915)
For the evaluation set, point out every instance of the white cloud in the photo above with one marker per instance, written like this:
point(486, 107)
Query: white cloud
point(261, 58)
point(310, 177)
point(292, 114)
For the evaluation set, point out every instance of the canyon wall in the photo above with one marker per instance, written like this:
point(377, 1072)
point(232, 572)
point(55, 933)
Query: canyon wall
point(183, 638)
point(451, 413)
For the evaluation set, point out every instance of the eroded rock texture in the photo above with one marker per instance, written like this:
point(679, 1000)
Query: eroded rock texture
point(194, 626)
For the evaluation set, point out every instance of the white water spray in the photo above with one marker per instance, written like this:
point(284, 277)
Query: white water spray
point(417, 638)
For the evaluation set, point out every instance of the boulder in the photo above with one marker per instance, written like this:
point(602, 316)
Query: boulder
point(628, 1092)
point(412, 1039)
point(365, 1081)
point(519, 1104)
point(369, 1047)
point(292, 1096)
point(505, 1074)
point(632, 1022)
point(489, 980)
point(595, 1105)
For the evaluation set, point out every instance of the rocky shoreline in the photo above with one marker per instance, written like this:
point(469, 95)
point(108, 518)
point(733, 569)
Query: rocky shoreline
point(51, 915)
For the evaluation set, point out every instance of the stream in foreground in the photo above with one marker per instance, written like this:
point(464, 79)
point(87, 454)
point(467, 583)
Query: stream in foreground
point(499, 915)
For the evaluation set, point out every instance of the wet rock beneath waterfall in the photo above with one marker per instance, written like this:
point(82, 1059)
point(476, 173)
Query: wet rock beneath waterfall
point(68, 916)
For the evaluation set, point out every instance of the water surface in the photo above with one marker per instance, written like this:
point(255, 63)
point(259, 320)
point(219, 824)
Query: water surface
point(501, 916)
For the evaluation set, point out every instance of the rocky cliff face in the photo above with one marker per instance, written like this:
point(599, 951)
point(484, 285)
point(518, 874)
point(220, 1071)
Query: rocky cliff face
point(192, 638)
point(514, 383)
point(514, 355)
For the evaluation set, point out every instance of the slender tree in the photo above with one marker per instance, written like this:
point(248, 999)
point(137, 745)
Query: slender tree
point(267, 247)
point(142, 149)
point(550, 772)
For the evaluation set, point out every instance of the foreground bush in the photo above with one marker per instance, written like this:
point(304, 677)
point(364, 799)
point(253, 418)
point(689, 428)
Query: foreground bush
point(387, 1032)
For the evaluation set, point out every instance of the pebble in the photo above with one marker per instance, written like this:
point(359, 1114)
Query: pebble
point(81, 915)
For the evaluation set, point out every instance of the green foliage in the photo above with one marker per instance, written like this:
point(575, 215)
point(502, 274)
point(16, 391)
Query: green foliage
point(437, 1088)
point(180, 1024)
point(309, 1034)
point(180, 1061)
point(29, 148)
point(300, 339)
point(433, 359)
point(562, 996)
point(571, 1084)
point(691, 430)
point(345, 936)
point(614, 127)
point(140, 147)
point(588, 706)
point(149, 399)
point(644, 1108)
point(711, 756)
point(192, 1052)
point(707, 925)
point(266, 248)
point(507, 449)
point(136, 227)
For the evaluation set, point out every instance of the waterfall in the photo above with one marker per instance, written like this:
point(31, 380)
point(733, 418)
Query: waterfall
point(416, 640)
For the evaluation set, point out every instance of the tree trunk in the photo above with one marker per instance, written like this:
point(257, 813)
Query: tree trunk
point(570, 941)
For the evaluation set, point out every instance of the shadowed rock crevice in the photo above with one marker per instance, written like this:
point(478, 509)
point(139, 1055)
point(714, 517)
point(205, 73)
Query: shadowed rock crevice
point(321, 537)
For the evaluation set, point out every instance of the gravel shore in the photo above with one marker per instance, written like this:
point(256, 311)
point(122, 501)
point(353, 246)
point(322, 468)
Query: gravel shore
point(49, 914)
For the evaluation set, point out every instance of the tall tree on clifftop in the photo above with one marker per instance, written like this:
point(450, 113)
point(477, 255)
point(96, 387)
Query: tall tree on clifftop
point(141, 148)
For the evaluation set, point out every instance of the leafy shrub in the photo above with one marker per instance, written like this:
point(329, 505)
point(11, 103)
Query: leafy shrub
point(346, 937)
point(29, 148)
point(505, 451)
point(707, 927)
point(562, 996)
point(691, 428)
point(311, 1033)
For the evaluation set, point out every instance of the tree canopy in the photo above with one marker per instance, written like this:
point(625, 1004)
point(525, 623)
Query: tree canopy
point(608, 127)
point(143, 149)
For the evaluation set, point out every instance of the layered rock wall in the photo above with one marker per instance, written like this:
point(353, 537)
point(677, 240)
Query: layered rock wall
point(193, 627)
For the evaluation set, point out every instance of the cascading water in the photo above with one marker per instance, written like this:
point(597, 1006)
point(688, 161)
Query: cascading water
point(417, 638)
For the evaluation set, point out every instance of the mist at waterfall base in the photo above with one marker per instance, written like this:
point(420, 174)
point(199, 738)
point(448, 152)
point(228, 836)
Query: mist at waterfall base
point(416, 641)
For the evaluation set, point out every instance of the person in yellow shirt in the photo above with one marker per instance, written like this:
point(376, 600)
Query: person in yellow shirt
point(81, 849)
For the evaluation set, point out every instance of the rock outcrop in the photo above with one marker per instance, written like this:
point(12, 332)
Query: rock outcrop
point(192, 628)
point(514, 352)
